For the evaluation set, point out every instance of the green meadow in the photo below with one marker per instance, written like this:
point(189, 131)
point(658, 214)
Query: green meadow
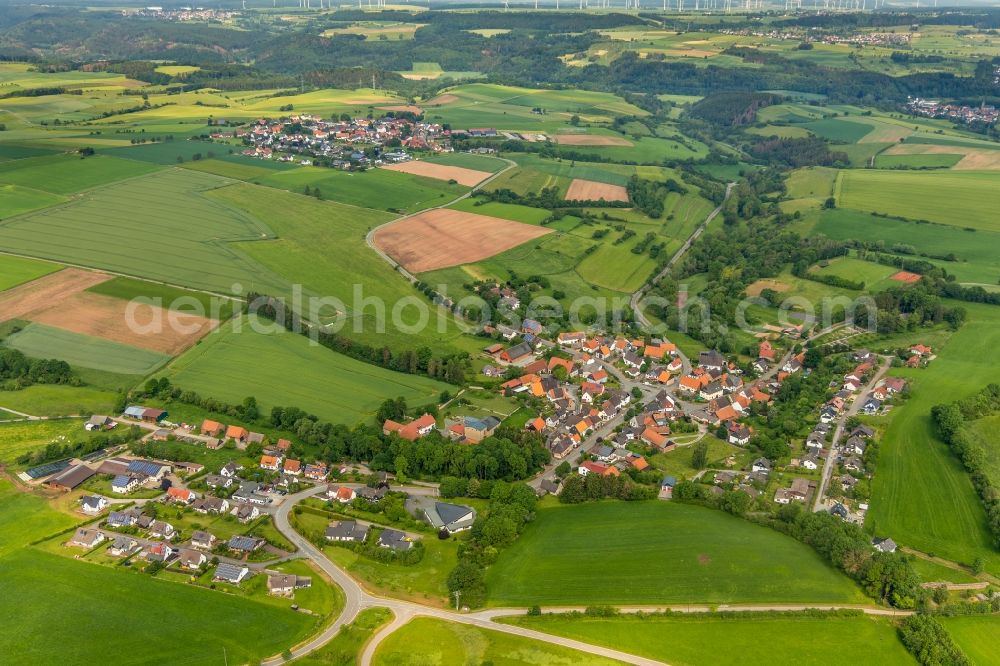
point(286, 369)
point(345, 648)
point(468, 161)
point(40, 341)
point(166, 296)
point(658, 552)
point(962, 199)
point(425, 640)
point(978, 636)
point(58, 400)
point(731, 639)
point(24, 517)
point(18, 270)
point(20, 437)
point(922, 497)
point(977, 252)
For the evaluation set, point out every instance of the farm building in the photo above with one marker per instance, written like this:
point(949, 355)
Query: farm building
point(147, 414)
point(71, 478)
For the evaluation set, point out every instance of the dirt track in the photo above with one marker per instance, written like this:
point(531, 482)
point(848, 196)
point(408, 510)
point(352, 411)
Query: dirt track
point(442, 237)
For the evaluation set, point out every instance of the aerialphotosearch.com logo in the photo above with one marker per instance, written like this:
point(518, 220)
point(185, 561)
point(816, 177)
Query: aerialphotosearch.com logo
point(312, 315)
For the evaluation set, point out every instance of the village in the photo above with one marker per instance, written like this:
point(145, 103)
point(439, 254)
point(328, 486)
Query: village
point(958, 113)
point(345, 143)
point(608, 406)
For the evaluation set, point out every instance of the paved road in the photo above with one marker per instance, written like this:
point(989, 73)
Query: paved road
point(838, 433)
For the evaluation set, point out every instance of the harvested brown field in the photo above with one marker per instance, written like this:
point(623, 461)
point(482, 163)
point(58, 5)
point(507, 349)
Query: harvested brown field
point(591, 190)
point(45, 292)
point(441, 100)
point(108, 318)
point(442, 238)
point(590, 140)
point(404, 108)
point(905, 276)
point(767, 283)
point(461, 175)
point(60, 300)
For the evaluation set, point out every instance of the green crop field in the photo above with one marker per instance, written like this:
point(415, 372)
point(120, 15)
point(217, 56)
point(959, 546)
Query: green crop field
point(657, 552)
point(62, 174)
point(183, 237)
point(40, 341)
point(376, 188)
point(171, 298)
point(921, 495)
point(17, 199)
point(731, 639)
point(18, 270)
point(963, 199)
point(515, 212)
point(838, 130)
point(286, 369)
point(934, 161)
point(467, 161)
point(230, 169)
point(321, 245)
point(247, 630)
point(978, 636)
point(425, 640)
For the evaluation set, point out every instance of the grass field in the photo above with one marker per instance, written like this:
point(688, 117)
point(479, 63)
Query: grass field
point(935, 161)
point(346, 646)
point(962, 199)
point(657, 552)
point(376, 188)
point(875, 276)
point(921, 495)
point(183, 237)
point(20, 437)
point(40, 341)
point(839, 130)
point(18, 270)
point(284, 369)
point(467, 161)
point(984, 432)
point(978, 636)
point(58, 400)
point(25, 517)
point(731, 639)
point(431, 641)
point(978, 252)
